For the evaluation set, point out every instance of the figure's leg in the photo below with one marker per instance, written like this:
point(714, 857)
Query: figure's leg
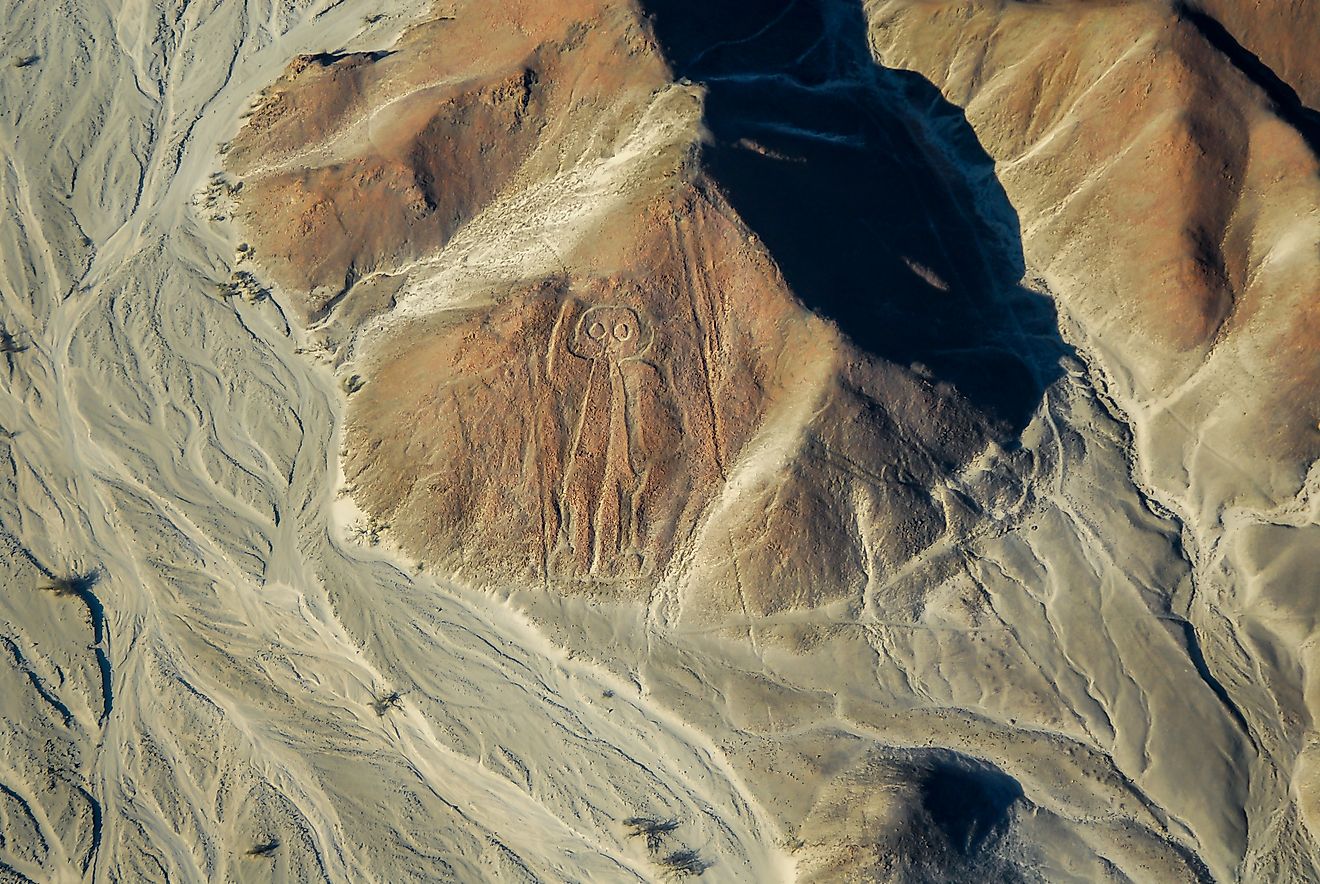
point(583, 470)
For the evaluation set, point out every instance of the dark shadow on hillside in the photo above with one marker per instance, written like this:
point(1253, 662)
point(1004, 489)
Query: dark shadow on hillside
point(1284, 98)
point(871, 191)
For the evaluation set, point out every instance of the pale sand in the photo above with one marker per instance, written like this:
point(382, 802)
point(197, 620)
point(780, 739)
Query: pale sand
point(183, 449)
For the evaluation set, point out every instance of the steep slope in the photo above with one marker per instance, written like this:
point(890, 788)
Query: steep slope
point(1168, 196)
point(638, 445)
point(1271, 42)
point(1128, 121)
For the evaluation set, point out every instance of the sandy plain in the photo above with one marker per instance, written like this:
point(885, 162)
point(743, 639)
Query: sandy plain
point(1096, 669)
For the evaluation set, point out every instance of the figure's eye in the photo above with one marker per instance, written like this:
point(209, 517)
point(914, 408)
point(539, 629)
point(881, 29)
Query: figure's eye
point(623, 331)
point(596, 331)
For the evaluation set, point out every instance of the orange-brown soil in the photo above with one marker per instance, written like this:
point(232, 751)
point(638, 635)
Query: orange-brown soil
point(356, 164)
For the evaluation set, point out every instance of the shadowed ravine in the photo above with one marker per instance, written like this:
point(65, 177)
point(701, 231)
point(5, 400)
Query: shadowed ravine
point(859, 180)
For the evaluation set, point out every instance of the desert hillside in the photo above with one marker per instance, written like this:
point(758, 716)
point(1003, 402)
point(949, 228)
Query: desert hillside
point(610, 440)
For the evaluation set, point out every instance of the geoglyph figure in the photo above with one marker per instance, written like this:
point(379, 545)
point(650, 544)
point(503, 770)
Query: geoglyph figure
point(603, 479)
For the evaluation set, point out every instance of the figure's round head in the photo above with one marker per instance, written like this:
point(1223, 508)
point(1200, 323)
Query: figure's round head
point(609, 330)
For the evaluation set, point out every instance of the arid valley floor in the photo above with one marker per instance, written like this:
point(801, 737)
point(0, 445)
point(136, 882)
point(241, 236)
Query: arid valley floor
point(639, 440)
